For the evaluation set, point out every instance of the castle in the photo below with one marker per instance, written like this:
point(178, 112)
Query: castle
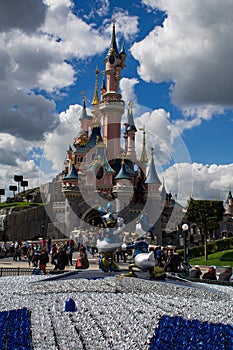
point(98, 170)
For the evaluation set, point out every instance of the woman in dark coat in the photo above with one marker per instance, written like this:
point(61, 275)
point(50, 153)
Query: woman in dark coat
point(60, 259)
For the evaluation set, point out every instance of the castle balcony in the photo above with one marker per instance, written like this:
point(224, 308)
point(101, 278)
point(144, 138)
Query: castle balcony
point(70, 189)
point(112, 105)
point(111, 96)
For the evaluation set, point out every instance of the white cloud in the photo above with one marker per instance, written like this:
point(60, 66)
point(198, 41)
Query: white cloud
point(57, 142)
point(201, 181)
point(26, 15)
point(192, 51)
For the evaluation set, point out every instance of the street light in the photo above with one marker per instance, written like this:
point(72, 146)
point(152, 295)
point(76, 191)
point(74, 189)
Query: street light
point(185, 228)
point(2, 193)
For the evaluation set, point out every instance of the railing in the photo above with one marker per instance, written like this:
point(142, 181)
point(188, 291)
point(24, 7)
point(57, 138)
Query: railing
point(20, 271)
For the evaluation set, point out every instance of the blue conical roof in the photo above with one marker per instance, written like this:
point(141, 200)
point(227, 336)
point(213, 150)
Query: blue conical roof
point(130, 123)
point(84, 113)
point(113, 50)
point(122, 173)
point(72, 174)
point(95, 137)
point(152, 176)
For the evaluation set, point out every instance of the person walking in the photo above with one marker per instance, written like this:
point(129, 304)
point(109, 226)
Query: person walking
point(61, 259)
point(70, 250)
point(49, 242)
point(43, 260)
point(30, 255)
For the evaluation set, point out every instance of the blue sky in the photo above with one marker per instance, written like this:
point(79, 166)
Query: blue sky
point(179, 75)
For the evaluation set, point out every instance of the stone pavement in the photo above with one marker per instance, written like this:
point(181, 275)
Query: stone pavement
point(93, 261)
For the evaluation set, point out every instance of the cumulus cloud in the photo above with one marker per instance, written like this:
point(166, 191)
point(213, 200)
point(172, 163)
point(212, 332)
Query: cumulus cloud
point(191, 50)
point(58, 141)
point(26, 115)
point(199, 181)
point(26, 15)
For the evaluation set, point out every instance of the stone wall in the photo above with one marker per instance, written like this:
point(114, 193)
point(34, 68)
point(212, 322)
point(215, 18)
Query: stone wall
point(26, 223)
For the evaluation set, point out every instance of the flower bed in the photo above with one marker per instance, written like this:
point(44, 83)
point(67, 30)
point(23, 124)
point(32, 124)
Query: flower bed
point(181, 334)
point(15, 330)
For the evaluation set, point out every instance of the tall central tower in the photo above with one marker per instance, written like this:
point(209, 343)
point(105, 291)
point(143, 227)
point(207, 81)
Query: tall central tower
point(111, 105)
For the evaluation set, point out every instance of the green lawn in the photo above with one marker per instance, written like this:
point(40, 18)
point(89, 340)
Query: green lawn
point(224, 258)
point(19, 204)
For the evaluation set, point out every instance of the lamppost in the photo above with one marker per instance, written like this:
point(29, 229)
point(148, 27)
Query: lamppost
point(185, 228)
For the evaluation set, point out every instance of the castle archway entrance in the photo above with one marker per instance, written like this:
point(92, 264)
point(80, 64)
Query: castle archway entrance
point(92, 217)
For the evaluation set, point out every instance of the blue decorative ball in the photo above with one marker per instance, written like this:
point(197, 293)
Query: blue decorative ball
point(70, 305)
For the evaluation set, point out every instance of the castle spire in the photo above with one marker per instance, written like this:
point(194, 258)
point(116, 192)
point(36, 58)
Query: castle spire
point(152, 176)
point(84, 111)
point(143, 158)
point(130, 130)
point(113, 50)
point(130, 123)
point(95, 100)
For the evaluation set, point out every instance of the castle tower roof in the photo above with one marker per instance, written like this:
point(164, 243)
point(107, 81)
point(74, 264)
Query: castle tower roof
point(113, 50)
point(72, 174)
point(163, 192)
point(84, 114)
point(130, 119)
point(123, 172)
point(152, 176)
point(229, 198)
point(101, 157)
point(95, 137)
point(123, 49)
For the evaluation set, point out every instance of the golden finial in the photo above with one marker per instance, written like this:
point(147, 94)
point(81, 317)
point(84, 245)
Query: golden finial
point(84, 95)
point(95, 100)
point(123, 155)
point(130, 106)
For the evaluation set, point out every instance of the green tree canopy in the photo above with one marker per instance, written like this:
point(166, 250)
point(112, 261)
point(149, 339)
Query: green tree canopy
point(207, 214)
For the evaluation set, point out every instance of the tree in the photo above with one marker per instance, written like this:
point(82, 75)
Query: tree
point(207, 214)
point(29, 197)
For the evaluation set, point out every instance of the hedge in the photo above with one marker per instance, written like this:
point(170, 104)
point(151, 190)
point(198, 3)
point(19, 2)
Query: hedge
point(217, 246)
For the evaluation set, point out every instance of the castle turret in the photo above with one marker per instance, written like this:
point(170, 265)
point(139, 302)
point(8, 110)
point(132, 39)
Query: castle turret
point(111, 106)
point(153, 200)
point(85, 124)
point(229, 205)
point(123, 190)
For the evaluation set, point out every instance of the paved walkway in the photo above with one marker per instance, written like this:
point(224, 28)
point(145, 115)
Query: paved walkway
point(93, 261)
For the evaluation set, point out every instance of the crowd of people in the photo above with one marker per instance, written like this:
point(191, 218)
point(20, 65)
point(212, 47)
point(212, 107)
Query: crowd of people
point(39, 254)
point(211, 274)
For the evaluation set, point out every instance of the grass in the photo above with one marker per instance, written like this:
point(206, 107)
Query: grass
point(19, 205)
point(224, 258)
